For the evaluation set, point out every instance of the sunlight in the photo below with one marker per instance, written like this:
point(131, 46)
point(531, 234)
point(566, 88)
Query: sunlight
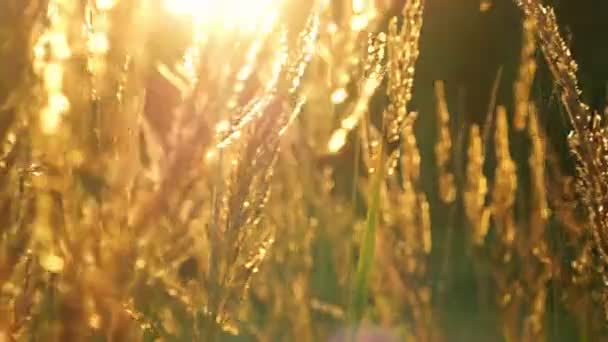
point(226, 15)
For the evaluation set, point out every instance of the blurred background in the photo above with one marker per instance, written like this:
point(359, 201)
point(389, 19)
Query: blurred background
point(162, 289)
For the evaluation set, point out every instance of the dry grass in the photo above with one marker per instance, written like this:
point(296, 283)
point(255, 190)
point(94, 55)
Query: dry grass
point(150, 192)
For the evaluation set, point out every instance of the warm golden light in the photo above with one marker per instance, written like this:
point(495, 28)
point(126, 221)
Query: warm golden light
point(226, 15)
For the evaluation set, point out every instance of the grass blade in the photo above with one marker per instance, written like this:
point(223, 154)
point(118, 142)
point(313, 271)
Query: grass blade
point(366, 251)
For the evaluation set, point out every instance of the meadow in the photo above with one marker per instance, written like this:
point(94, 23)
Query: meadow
point(282, 170)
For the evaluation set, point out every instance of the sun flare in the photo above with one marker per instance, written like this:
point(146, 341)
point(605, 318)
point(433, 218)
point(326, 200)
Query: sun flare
point(226, 15)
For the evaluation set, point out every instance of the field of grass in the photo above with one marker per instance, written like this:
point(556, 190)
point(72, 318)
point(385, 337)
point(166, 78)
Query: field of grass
point(299, 170)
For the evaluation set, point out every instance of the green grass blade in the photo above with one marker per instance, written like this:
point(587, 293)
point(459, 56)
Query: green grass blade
point(366, 252)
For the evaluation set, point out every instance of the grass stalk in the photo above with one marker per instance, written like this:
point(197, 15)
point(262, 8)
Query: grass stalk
point(360, 285)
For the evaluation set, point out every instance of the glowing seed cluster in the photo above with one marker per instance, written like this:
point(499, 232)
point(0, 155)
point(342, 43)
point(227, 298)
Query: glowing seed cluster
point(50, 52)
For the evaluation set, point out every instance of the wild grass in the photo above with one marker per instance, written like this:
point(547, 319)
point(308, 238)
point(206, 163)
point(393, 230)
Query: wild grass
point(161, 180)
